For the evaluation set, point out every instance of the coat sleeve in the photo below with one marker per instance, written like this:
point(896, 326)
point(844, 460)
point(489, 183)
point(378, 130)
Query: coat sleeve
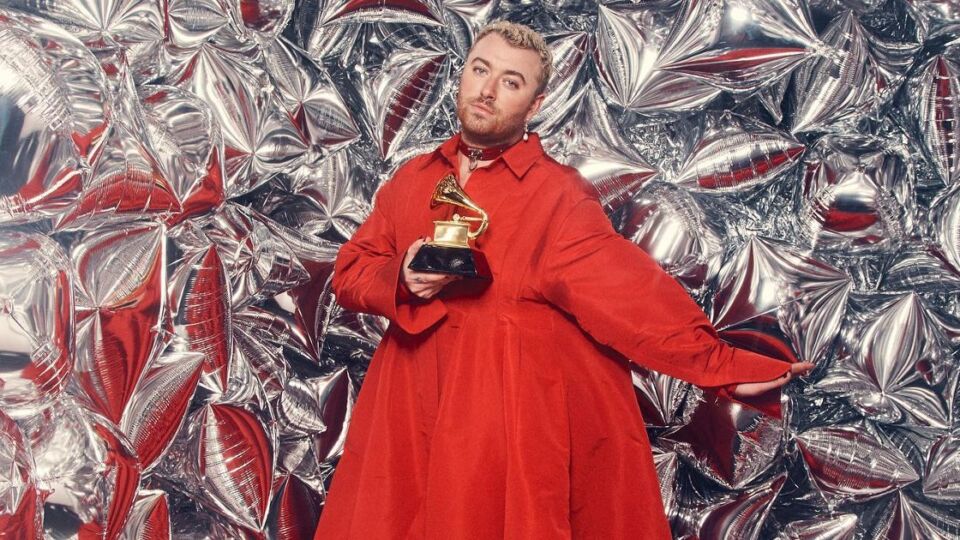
point(367, 274)
point(623, 299)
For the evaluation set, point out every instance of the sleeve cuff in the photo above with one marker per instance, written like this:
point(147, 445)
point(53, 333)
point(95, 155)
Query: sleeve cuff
point(411, 313)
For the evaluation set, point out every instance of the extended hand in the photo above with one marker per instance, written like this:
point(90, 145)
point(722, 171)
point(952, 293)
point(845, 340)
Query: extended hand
point(423, 284)
point(755, 389)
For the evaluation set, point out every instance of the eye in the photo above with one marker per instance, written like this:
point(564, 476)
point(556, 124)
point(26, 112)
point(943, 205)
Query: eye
point(512, 84)
point(479, 70)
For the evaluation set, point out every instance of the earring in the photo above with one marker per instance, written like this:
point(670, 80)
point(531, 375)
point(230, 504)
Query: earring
point(526, 132)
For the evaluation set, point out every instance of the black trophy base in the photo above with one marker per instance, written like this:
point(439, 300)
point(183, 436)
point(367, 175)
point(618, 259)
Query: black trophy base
point(464, 262)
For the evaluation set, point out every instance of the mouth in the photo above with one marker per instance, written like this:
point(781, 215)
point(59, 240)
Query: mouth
point(482, 108)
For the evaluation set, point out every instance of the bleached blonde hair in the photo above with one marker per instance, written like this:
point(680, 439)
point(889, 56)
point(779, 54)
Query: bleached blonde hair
point(523, 37)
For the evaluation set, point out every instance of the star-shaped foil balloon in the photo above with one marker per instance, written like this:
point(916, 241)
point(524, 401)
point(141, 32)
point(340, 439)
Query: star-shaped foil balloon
point(935, 106)
point(122, 311)
point(726, 441)
point(889, 350)
point(629, 57)
point(150, 516)
point(772, 299)
point(587, 139)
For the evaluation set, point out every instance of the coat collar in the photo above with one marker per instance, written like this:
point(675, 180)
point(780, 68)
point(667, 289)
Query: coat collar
point(519, 157)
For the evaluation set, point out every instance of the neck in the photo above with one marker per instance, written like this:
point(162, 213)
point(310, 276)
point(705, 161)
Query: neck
point(472, 142)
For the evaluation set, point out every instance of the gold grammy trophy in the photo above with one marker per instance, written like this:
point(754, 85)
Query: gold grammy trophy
point(449, 251)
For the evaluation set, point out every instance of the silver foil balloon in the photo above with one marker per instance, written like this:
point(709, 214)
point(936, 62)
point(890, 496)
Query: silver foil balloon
point(660, 397)
point(150, 517)
point(736, 154)
point(260, 264)
point(889, 353)
point(310, 97)
point(327, 198)
point(88, 467)
point(726, 441)
point(856, 191)
point(908, 518)
point(188, 146)
point(739, 515)
point(571, 52)
point(666, 222)
point(134, 26)
point(321, 408)
point(190, 23)
point(224, 458)
point(941, 479)
point(54, 110)
point(263, 18)
point(831, 91)
point(589, 141)
point(629, 49)
point(838, 527)
point(740, 45)
point(121, 311)
point(200, 304)
point(20, 499)
point(772, 299)
point(853, 463)
point(158, 406)
point(946, 222)
point(935, 106)
point(36, 322)
point(260, 138)
point(126, 181)
point(252, 346)
point(666, 464)
point(400, 96)
point(296, 510)
point(414, 11)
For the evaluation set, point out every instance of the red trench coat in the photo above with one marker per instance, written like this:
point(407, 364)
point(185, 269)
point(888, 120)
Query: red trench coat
point(507, 411)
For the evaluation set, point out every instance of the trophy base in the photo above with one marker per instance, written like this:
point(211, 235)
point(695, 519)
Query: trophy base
point(463, 262)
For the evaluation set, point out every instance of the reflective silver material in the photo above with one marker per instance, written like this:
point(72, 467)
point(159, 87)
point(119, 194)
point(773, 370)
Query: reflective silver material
point(150, 517)
point(736, 154)
point(666, 222)
point(54, 114)
point(941, 479)
point(36, 322)
point(853, 463)
point(738, 515)
point(121, 311)
point(399, 97)
point(855, 189)
point(888, 352)
point(935, 106)
point(839, 527)
point(726, 441)
point(20, 498)
point(772, 299)
point(88, 468)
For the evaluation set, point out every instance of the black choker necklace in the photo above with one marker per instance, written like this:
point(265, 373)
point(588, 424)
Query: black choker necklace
point(480, 154)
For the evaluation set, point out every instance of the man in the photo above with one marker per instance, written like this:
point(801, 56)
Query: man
point(505, 409)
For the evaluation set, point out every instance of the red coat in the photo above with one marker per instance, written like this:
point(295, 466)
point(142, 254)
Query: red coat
point(506, 411)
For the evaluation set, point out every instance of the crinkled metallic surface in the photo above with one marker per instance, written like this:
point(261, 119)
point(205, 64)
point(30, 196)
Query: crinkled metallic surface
point(176, 178)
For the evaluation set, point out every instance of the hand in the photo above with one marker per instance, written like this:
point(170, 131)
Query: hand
point(755, 389)
point(423, 284)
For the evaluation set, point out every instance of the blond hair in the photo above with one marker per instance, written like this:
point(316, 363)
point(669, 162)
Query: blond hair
point(523, 37)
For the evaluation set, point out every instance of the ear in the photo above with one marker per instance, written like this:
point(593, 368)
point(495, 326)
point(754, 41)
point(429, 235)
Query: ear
point(535, 106)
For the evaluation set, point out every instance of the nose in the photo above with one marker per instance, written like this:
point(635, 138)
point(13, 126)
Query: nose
point(489, 89)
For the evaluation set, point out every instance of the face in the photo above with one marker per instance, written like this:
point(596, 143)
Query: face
point(498, 92)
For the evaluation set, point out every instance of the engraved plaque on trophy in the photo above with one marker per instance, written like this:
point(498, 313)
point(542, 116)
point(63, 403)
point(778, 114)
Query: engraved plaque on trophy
point(449, 251)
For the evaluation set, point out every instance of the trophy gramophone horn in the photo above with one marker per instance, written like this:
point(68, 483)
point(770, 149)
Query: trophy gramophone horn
point(449, 191)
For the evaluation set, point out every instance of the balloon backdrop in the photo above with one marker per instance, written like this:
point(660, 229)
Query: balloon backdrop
point(177, 176)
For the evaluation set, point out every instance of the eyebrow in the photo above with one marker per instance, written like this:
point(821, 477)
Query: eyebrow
point(507, 72)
